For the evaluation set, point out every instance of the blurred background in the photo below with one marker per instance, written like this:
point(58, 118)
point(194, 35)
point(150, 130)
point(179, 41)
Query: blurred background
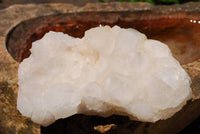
point(6, 3)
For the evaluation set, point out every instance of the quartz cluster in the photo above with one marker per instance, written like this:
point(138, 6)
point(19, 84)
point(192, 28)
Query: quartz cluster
point(108, 71)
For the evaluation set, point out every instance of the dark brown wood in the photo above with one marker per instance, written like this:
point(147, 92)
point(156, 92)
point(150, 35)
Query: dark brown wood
point(176, 30)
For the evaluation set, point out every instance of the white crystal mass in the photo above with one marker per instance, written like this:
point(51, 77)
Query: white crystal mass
point(108, 71)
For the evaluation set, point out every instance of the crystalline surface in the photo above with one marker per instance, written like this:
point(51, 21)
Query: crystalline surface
point(108, 71)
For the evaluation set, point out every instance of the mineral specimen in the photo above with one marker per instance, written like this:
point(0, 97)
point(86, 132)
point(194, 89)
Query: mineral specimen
point(108, 71)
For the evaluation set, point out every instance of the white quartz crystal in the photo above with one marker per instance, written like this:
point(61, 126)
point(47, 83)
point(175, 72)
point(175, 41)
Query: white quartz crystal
point(108, 71)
